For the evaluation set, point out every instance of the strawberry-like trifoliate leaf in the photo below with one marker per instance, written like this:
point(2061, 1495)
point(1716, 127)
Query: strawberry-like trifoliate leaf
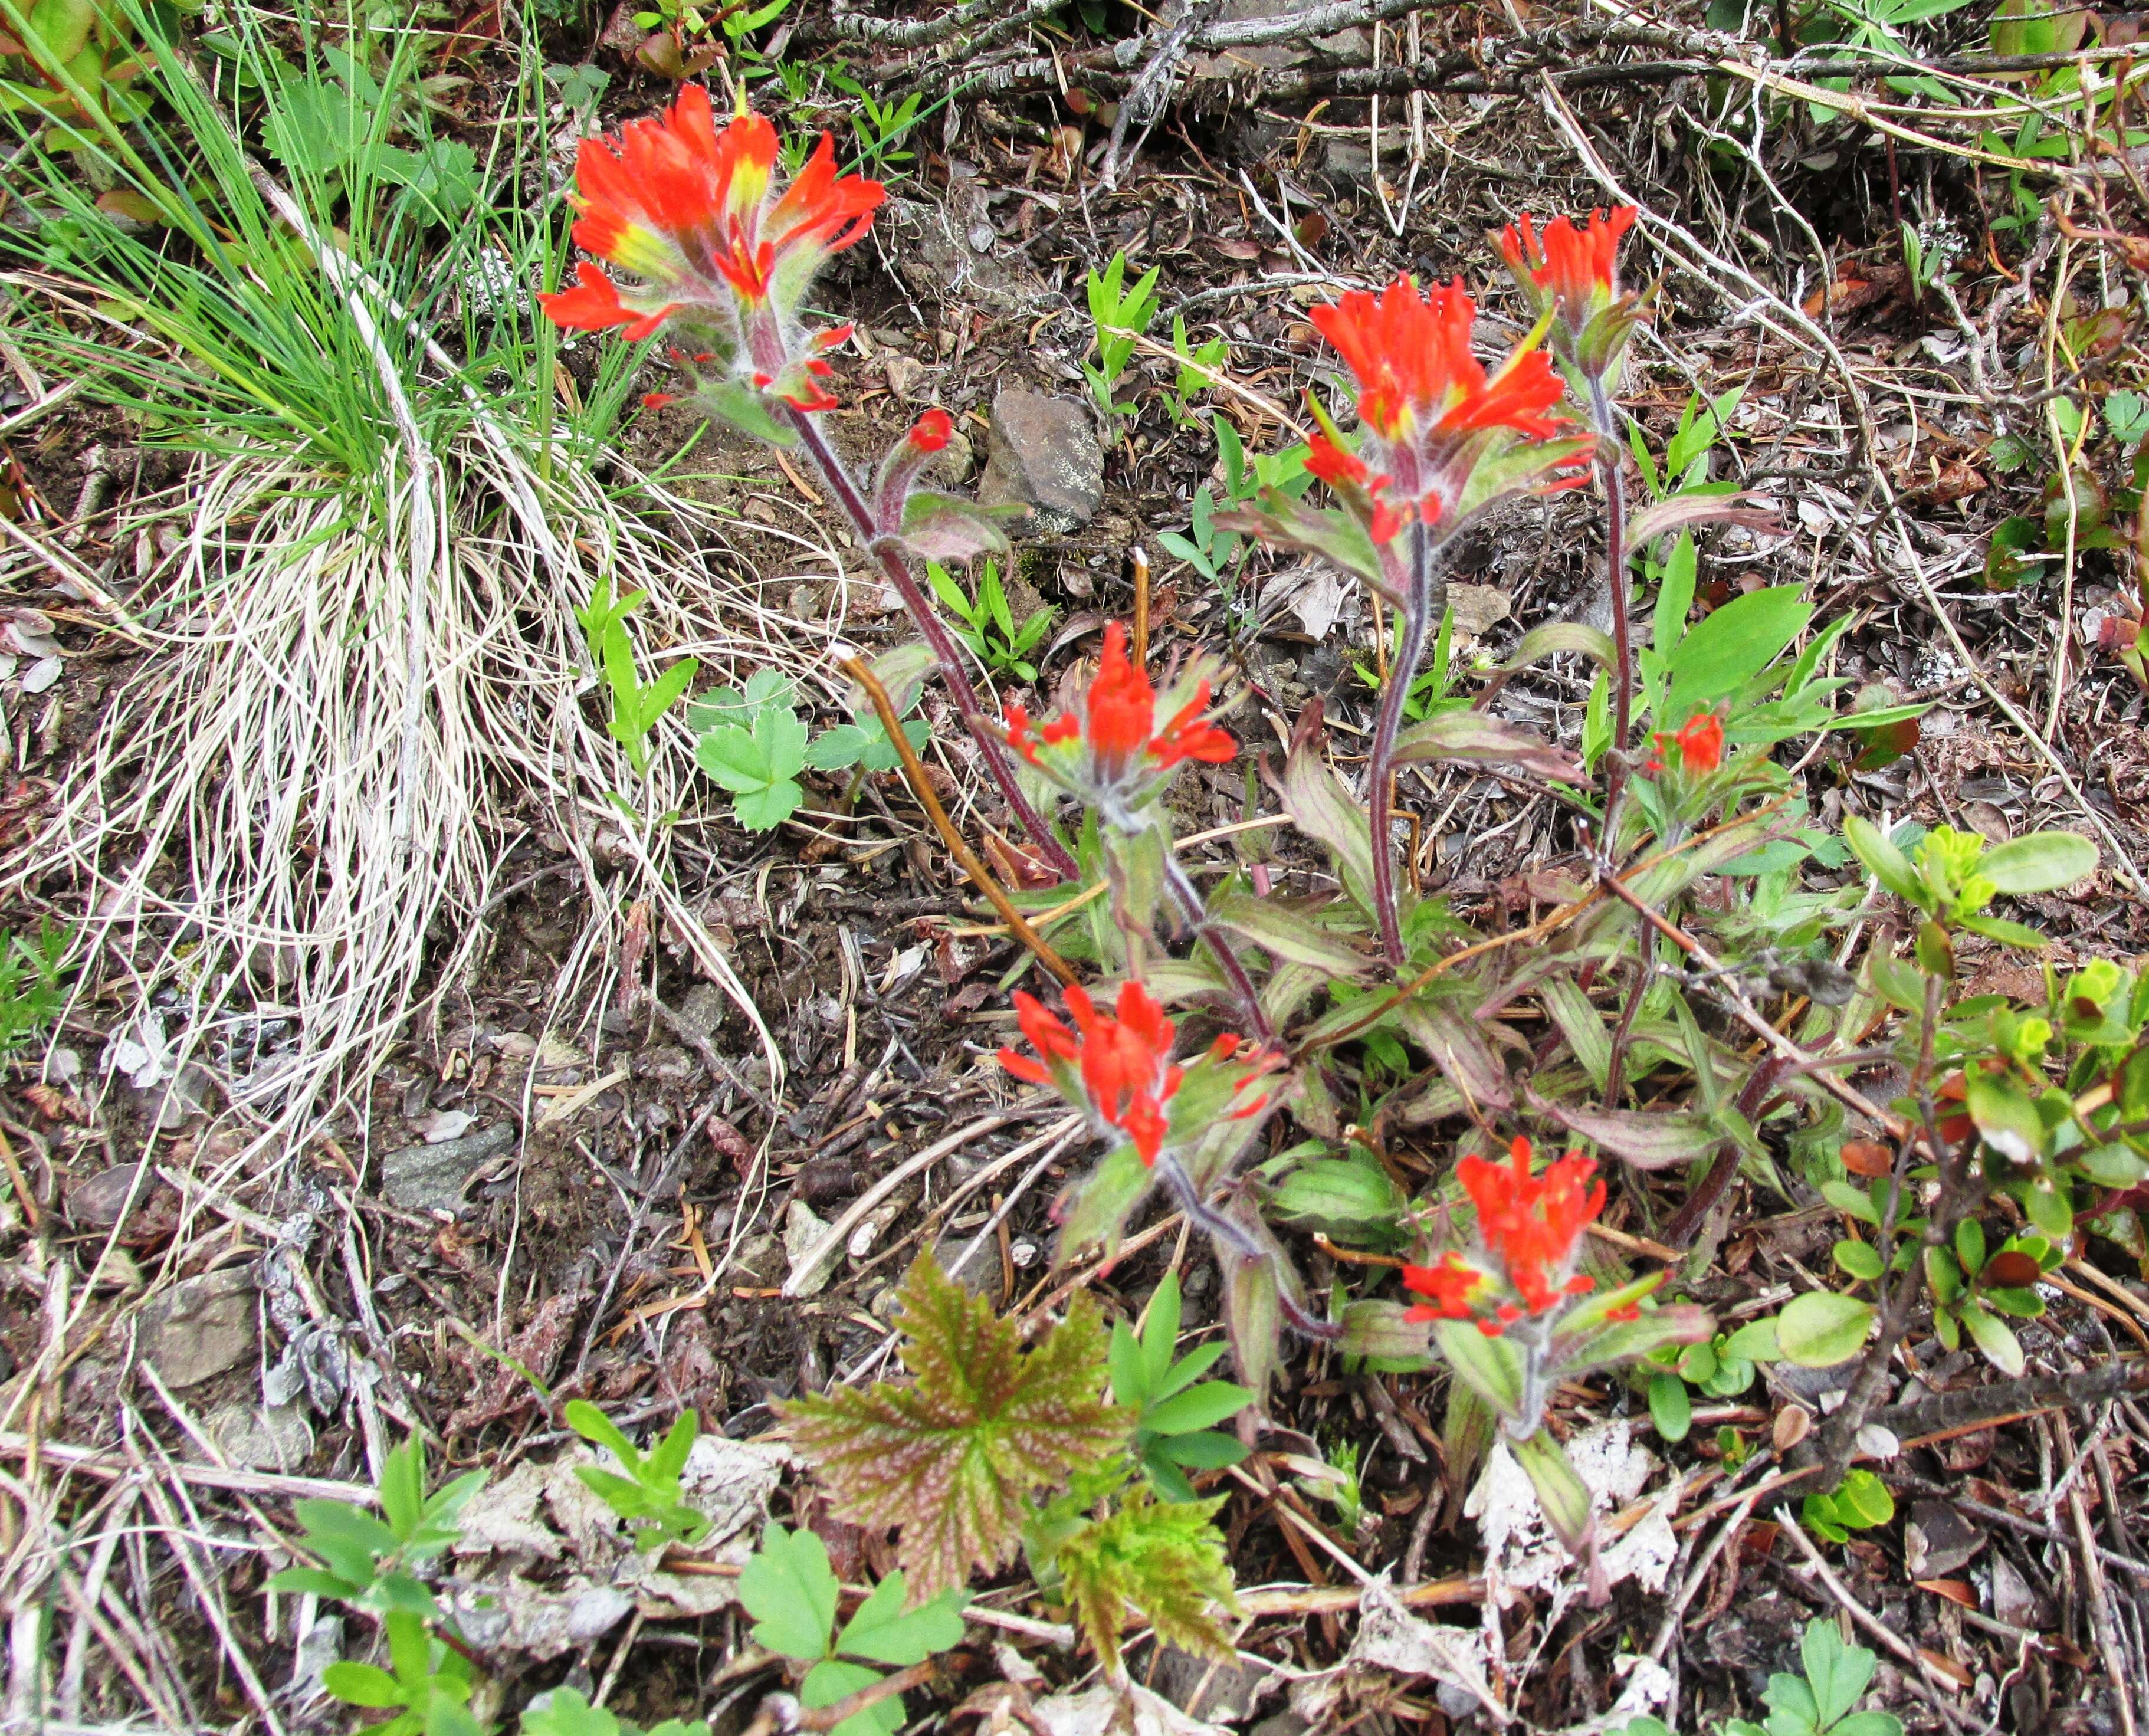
point(1163, 1557)
point(949, 1458)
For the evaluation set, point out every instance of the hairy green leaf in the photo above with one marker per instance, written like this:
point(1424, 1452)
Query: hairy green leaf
point(1164, 1558)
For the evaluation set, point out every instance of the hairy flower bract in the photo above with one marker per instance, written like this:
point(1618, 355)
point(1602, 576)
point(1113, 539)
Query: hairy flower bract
point(1529, 1230)
point(1430, 416)
point(1111, 751)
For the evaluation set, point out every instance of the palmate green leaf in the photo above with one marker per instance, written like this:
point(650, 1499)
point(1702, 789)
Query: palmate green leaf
point(835, 1679)
point(949, 1458)
point(1164, 1558)
point(791, 1591)
point(887, 1632)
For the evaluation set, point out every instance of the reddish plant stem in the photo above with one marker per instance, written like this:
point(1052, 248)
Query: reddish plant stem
point(1188, 896)
point(945, 651)
point(1610, 472)
point(1379, 759)
point(1687, 1220)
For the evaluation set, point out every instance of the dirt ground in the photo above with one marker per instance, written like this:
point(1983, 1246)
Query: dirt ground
point(594, 1189)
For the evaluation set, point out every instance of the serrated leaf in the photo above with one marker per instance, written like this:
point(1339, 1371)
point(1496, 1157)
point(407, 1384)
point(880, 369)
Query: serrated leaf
point(835, 1679)
point(562, 1712)
point(1837, 1670)
point(949, 1458)
point(884, 1630)
point(791, 1591)
point(1164, 1558)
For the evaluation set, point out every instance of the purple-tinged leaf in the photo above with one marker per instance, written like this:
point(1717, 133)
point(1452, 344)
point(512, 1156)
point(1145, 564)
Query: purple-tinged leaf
point(1485, 741)
point(1457, 1045)
point(1648, 1140)
point(1681, 511)
point(946, 527)
point(950, 1458)
point(1382, 1329)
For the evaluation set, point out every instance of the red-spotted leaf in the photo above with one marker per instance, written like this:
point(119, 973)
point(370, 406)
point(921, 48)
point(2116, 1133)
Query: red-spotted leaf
point(950, 1457)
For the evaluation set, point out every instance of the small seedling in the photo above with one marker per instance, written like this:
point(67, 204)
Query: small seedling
point(428, 1682)
point(752, 743)
point(989, 626)
point(30, 997)
point(1198, 367)
point(792, 1592)
point(366, 1561)
point(1432, 693)
point(648, 1497)
point(562, 1712)
point(636, 710)
point(1174, 1421)
point(1819, 1702)
point(1862, 1503)
point(1710, 1368)
point(1120, 315)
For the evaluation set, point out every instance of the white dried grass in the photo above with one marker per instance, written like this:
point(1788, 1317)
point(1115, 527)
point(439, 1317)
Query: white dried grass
point(326, 761)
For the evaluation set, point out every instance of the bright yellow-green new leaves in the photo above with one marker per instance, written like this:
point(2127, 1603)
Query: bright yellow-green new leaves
point(950, 1458)
point(1162, 1557)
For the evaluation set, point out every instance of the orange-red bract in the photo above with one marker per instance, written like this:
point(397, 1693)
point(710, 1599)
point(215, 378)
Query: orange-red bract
point(684, 205)
point(1416, 373)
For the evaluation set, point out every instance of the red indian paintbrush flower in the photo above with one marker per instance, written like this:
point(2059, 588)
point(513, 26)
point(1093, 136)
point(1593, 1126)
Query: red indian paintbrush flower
point(685, 206)
point(1111, 751)
point(1117, 1066)
point(1529, 1230)
point(1699, 743)
point(1437, 435)
point(1570, 274)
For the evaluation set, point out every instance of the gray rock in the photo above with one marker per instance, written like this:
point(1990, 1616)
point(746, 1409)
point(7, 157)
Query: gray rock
point(1043, 453)
point(702, 1009)
point(427, 1178)
point(199, 1328)
point(268, 1437)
